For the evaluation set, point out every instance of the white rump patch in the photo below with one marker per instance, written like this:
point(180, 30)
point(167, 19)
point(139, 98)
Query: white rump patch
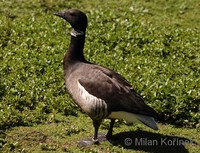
point(134, 118)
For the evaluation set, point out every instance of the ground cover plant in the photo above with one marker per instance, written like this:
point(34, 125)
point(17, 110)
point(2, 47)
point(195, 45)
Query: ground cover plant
point(154, 45)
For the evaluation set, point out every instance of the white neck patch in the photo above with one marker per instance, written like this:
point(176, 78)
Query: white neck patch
point(76, 33)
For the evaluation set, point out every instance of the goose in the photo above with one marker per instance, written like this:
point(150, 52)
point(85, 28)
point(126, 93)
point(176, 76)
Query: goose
point(99, 91)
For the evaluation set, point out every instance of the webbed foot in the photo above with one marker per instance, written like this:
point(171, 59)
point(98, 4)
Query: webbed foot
point(91, 141)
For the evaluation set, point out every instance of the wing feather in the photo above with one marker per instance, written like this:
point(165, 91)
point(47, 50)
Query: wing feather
point(115, 91)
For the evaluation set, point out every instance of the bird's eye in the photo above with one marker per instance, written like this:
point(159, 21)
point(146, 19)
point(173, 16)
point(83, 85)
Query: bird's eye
point(72, 14)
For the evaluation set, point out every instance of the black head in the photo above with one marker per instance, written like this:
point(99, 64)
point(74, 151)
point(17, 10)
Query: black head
point(76, 18)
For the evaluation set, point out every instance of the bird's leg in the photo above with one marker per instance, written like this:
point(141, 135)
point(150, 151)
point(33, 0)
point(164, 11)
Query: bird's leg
point(109, 134)
point(96, 124)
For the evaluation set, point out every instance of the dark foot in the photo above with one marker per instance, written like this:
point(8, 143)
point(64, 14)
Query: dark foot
point(85, 142)
point(89, 142)
point(96, 142)
point(109, 136)
point(102, 137)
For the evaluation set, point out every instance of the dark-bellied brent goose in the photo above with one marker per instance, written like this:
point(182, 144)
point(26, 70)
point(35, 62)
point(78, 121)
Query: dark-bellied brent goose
point(99, 91)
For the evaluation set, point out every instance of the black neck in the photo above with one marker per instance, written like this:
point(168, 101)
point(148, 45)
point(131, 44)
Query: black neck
point(75, 51)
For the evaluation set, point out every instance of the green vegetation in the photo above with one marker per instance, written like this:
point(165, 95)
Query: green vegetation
point(64, 135)
point(153, 44)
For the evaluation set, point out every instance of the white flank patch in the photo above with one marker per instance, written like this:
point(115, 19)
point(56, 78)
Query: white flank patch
point(92, 104)
point(134, 118)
